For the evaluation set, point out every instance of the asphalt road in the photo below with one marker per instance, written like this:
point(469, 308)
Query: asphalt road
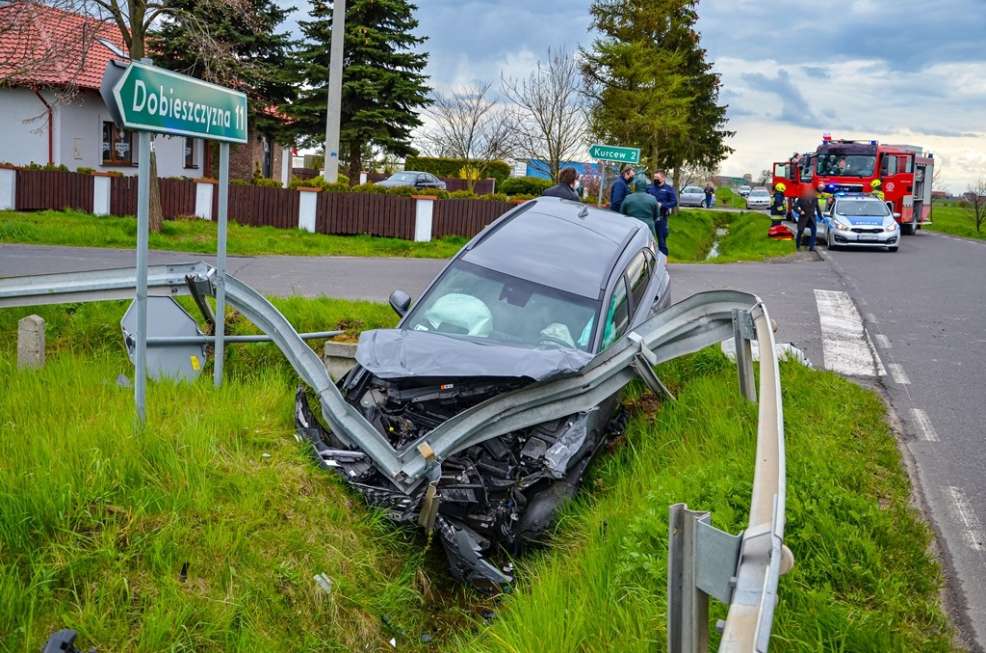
point(918, 315)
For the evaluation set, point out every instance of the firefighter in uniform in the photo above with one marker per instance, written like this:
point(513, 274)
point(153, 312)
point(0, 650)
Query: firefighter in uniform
point(778, 211)
point(875, 190)
point(823, 197)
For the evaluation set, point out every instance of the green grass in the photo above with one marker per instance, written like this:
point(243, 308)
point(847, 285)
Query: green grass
point(952, 218)
point(84, 230)
point(727, 198)
point(96, 520)
point(863, 578)
point(692, 233)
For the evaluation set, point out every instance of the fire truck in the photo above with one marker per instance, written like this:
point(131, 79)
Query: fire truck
point(844, 166)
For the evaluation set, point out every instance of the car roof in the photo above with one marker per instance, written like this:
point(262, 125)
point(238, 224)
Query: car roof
point(557, 243)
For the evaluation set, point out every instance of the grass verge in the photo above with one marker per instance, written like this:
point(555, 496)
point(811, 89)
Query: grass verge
point(952, 218)
point(85, 230)
point(97, 521)
point(693, 233)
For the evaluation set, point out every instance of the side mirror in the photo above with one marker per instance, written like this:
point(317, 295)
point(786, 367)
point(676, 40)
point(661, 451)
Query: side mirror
point(400, 301)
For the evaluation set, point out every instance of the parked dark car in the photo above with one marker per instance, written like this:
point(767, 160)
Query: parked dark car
point(412, 178)
point(535, 296)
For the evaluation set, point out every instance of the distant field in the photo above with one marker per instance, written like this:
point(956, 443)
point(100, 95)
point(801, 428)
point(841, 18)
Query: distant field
point(951, 218)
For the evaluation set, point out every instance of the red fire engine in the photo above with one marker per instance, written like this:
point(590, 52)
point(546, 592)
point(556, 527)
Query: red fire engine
point(905, 173)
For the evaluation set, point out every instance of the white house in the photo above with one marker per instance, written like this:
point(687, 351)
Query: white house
point(51, 65)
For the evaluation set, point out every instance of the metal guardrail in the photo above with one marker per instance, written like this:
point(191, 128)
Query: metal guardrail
point(742, 571)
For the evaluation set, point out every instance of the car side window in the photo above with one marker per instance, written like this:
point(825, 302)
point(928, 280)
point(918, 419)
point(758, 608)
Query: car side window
point(422, 179)
point(618, 315)
point(638, 273)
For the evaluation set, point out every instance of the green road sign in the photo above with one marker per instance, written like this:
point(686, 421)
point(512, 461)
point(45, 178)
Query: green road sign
point(615, 153)
point(153, 99)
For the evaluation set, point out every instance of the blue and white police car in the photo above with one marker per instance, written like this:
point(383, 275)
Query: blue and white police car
point(858, 220)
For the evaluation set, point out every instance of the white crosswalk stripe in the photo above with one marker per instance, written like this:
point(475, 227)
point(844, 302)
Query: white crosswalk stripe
point(972, 528)
point(845, 345)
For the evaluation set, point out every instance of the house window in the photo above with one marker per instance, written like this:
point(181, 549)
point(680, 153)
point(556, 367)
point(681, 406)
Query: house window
point(117, 146)
point(190, 153)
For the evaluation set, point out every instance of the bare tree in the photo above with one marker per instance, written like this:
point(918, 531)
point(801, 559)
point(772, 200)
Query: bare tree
point(695, 174)
point(469, 124)
point(549, 111)
point(976, 196)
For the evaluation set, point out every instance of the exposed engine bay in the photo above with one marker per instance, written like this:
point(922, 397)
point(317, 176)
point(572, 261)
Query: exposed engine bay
point(501, 494)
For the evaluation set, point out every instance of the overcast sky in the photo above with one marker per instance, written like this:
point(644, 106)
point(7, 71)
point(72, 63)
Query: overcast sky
point(901, 71)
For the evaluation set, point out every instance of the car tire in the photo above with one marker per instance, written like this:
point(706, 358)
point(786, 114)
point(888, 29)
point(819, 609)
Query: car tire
point(892, 249)
point(829, 245)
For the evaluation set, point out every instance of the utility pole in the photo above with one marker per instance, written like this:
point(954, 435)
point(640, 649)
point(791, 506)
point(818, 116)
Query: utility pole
point(334, 108)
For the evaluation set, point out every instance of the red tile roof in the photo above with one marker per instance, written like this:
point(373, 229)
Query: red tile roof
point(43, 46)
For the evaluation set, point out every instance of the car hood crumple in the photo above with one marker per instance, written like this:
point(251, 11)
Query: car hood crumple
point(400, 353)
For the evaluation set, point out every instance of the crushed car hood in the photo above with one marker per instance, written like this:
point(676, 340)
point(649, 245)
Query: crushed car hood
point(399, 353)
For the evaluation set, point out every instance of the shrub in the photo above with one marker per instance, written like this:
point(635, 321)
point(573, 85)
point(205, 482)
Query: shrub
point(525, 186)
point(83, 170)
point(442, 167)
point(48, 167)
point(463, 195)
point(266, 183)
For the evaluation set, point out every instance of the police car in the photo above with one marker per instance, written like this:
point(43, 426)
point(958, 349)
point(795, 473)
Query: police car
point(858, 220)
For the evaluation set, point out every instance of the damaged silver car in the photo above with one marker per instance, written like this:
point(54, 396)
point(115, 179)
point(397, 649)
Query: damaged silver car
point(536, 296)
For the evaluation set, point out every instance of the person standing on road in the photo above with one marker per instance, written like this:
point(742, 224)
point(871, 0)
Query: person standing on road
point(710, 192)
point(778, 210)
point(565, 188)
point(621, 188)
point(668, 199)
point(808, 211)
point(642, 205)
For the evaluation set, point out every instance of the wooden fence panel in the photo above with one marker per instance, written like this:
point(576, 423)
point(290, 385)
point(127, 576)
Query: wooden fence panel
point(123, 195)
point(365, 213)
point(53, 190)
point(465, 217)
point(260, 206)
point(177, 197)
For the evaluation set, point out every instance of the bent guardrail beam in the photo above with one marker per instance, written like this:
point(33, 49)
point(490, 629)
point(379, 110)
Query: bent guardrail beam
point(753, 560)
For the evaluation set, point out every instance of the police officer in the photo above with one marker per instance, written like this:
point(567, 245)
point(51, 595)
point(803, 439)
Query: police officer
point(621, 188)
point(642, 205)
point(668, 199)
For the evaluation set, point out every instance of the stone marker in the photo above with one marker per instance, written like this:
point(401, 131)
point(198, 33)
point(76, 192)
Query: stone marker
point(31, 341)
point(339, 358)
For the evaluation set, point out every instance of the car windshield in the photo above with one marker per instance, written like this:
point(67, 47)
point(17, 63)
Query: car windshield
point(862, 207)
point(404, 177)
point(473, 301)
point(693, 189)
point(760, 191)
point(846, 165)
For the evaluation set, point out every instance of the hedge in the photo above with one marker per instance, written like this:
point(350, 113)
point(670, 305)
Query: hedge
point(525, 185)
point(442, 167)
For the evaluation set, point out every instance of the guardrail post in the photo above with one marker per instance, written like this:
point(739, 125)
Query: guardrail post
point(8, 189)
point(688, 607)
point(742, 335)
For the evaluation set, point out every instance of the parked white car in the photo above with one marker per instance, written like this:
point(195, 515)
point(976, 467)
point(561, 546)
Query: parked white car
point(759, 198)
point(691, 196)
point(744, 190)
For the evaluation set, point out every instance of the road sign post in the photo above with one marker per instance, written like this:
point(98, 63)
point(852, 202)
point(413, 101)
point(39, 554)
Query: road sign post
point(147, 99)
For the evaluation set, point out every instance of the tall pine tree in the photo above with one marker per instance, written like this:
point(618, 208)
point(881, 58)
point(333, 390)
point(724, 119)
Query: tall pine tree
point(242, 49)
point(382, 83)
point(652, 85)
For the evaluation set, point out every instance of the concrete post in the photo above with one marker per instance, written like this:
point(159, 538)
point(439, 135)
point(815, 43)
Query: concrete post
point(307, 203)
point(362, 178)
point(424, 211)
point(285, 167)
point(203, 198)
point(100, 194)
point(8, 189)
point(31, 342)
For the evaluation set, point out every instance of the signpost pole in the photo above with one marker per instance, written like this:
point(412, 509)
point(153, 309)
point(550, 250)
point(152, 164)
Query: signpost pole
point(143, 210)
point(602, 182)
point(220, 343)
point(334, 101)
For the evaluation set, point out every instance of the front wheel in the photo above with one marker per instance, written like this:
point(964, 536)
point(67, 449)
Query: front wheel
point(892, 249)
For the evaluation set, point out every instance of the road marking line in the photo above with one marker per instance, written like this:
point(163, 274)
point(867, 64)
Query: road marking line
point(898, 374)
point(973, 534)
point(923, 423)
point(845, 345)
point(883, 341)
point(871, 318)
